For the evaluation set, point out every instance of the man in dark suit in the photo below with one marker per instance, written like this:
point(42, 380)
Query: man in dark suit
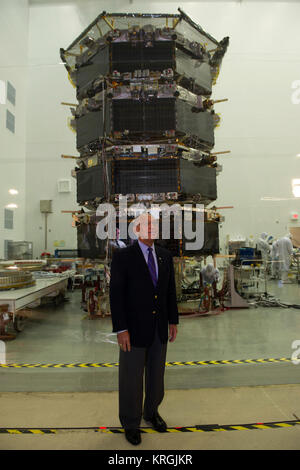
point(144, 316)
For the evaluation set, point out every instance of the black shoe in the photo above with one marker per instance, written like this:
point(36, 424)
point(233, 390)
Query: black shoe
point(157, 423)
point(133, 436)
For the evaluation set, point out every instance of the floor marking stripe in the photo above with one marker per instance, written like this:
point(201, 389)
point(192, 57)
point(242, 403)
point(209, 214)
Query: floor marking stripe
point(148, 430)
point(239, 428)
point(261, 426)
point(168, 364)
point(283, 425)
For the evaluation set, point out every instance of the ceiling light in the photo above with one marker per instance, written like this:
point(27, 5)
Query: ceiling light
point(271, 198)
point(11, 206)
point(296, 191)
point(296, 187)
point(13, 191)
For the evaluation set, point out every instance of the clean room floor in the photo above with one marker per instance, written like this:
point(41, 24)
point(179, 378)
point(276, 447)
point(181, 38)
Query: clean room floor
point(63, 335)
point(233, 393)
point(224, 406)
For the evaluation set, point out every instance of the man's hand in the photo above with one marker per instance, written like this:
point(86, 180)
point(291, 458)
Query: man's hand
point(124, 341)
point(172, 333)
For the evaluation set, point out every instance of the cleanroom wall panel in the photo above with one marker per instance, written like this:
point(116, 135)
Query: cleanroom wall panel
point(13, 73)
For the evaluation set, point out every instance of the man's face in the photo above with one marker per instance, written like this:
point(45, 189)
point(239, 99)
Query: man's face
point(148, 228)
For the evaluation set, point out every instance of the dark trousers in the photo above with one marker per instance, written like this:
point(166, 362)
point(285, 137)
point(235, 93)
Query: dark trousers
point(131, 377)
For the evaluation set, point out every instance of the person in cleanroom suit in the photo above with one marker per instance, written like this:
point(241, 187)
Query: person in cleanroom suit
point(210, 274)
point(285, 250)
point(275, 260)
point(263, 246)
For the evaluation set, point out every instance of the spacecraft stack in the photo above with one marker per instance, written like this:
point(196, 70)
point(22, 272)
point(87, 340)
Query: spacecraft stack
point(145, 119)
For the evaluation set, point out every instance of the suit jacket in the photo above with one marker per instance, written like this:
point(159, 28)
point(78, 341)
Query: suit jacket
point(135, 304)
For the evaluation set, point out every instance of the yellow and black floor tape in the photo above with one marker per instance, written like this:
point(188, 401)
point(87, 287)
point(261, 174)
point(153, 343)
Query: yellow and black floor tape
point(168, 364)
point(147, 430)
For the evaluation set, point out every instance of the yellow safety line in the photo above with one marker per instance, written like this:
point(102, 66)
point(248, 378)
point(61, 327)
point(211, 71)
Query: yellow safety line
point(168, 364)
point(147, 430)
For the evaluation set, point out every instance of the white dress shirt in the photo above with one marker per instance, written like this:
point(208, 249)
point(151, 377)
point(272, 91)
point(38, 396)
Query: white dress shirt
point(145, 251)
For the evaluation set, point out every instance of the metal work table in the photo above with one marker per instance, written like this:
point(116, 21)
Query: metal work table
point(21, 298)
point(14, 301)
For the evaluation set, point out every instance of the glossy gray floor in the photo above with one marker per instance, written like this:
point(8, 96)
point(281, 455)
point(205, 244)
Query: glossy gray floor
point(205, 394)
point(63, 335)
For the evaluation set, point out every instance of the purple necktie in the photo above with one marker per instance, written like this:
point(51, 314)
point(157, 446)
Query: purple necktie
point(151, 266)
